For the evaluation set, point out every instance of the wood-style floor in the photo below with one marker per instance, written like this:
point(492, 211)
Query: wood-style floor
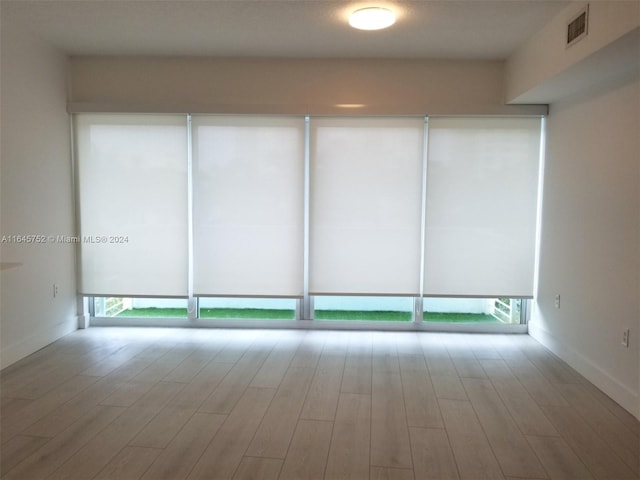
point(115, 403)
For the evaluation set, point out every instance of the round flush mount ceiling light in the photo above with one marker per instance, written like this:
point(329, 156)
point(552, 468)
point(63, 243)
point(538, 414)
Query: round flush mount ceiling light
point(372, 18)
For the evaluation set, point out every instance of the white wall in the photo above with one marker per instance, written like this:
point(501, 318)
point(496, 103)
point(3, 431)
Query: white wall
point(316, 86)
point(590, 239)
point(36, 195)
point(543, 66)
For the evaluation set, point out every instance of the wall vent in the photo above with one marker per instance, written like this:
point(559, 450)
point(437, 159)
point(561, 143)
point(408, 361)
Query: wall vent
point(577, 28)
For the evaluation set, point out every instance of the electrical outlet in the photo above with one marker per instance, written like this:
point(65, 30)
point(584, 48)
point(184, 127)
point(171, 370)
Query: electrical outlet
point(55, 290)
point(558, 300)
point(625, 338)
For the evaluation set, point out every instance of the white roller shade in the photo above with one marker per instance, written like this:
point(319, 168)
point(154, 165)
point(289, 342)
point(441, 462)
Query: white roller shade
point(248, 205)
point(365, 205)
point(482, 185)
point(133, 204)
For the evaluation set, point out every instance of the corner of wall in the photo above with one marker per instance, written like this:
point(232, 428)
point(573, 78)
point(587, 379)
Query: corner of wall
point(619, 392)
point(544, 69)
point(590, 239)
point(37, 196)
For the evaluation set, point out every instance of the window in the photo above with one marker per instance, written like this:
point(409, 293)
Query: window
point(366, 189)
point(506, 311)
point(482, 184)
point(139, 307)
point(248, 308)
point(359, 308)
point(132, 186)
point(222, 217)
point(248, 205)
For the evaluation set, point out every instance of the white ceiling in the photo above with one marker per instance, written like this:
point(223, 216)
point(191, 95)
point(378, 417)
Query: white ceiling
point(471, 29)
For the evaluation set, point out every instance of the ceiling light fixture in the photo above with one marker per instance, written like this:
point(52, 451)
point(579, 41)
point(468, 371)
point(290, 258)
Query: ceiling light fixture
point(372, 18)
point(350, 105)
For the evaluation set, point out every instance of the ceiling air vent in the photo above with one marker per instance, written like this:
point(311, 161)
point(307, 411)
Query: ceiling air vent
point(577, 26)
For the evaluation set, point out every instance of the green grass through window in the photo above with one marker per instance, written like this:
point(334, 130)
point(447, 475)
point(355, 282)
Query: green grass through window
point(153, 312)
point(372, 316)
point(260, 313)
point(458, 317)
point(284, 314)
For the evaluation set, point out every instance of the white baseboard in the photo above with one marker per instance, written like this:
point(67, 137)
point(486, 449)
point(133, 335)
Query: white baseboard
point(620, 393)
point(17, 351)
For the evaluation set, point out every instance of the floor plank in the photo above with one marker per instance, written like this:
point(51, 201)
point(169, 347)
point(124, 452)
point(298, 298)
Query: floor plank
point(621, 414)
point(349, 451)
point(28, 370)
point(163, 366)
point(127, 393)
point(432, 455)
point(118, 359)
point(407, 343)
point(322, 398)
point(226, 450)
point(509, 445)
point(163, 427)
point(227, 393)
point(390, 446)
point(236, 346)
point(258, 469)
point(554, 369)
point(420, 398)
point(44, 461)
point(615, 433)
point(560, 462)
point(277, 363)
point(310, 349)
point(595, 453)
point(179, 457)
point(356, 377)
point(69, 412)
point(202, 386)
point(307, 455)
point(41, 407)
point(523, 409)
point(521, 405)
point(274, 434)
point(192, 365)
point(473, 454)
point(129, 464)
point(441, 366)
point(10, 407)
point(448, 387)
point(386, 473)
point(17, 449)
point(539, 388)
point(468, 368)
point(98, 451)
